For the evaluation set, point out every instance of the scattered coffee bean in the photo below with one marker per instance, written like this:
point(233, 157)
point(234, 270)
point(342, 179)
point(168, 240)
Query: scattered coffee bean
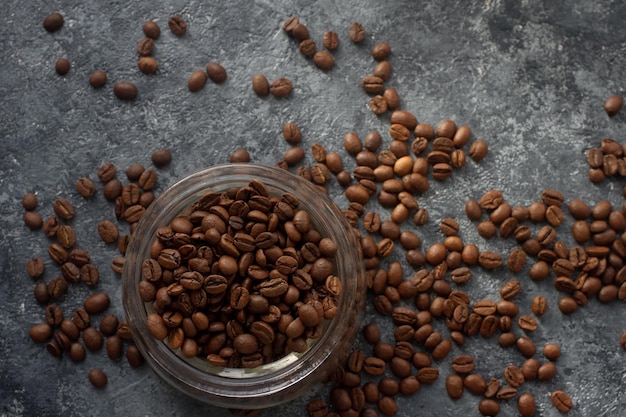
point(151, 29)
point(33, 220)
point(613, 105)
point(98, 378)
point(177, 25)
point(330, 40)
point(145, 47)
point(561, 401)
point(323, 60)
point(197, 80)
point(125, 90)
point(161, 158)
point(148, 65)
point(356, 32)
point(280, 87)
point(29, 201)
point(216, 72)
point(260, 85)
point(53, 22)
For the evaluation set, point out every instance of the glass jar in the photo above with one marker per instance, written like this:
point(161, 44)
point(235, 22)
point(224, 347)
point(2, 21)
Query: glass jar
point(286, 378)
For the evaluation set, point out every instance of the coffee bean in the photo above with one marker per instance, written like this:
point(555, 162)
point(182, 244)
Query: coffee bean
point(33, 220)
point(526, 405)
point(478, 150)
point(77, 352)
point(280, 87)
point(539, 305)
point(98, 378)
point(390, 94)
point(96, 303)
point(197, 80)
point(561, 400)
point(330, 40)
point(216, 72)
point(613, 105)
point(63, 208)
point(488, 407)
point(40, 332)
point(454, 386)
point(125, 90)
point(381, 51)
point(260, 85)
point(151, 29)
point(356, 32)
point(475, 384)
point(148, 65)
point(177, 25)
point(161, 158)
point(108, 231)
point(145, 47)
point(29, 201)
point(108, 325)
point(323, 60)
point(373, 85)
point(53, 22)
point(92, 339)
point(239, 155)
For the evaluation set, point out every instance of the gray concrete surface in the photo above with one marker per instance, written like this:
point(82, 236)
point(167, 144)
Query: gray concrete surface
point(530, 78)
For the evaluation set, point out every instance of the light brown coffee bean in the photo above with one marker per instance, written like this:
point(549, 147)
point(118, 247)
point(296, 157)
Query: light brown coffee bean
point(561, 400)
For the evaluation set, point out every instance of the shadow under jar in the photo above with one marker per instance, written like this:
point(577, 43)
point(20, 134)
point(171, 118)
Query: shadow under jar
point(286, 377)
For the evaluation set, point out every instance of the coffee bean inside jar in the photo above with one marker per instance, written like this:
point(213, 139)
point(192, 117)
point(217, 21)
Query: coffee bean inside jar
point(240, 278)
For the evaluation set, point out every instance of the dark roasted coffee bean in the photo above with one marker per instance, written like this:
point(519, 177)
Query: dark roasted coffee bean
point(53, 22)
point(562, 401)
point(145, 47)
point(613, 105)
point(125, 90)
point(98, 378)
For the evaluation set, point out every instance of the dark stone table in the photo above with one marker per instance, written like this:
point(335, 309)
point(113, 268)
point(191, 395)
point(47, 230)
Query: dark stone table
point(529, 78)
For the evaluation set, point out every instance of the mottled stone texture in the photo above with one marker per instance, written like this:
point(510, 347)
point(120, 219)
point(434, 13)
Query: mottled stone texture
point(530, 78)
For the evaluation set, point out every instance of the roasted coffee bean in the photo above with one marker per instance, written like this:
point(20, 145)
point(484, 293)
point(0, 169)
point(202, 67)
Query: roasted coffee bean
point(260, 85)
point(62, 66)
point(125, 90)
point(330, 40)
point(98, 378)
point(177, 25)
point(539, 305)
point(475, 384)
point(108, 231)
point(63, 208)
point(85, 187)
point(383, 70)
point(92, 338)
point(454, 386)
point(147, 65)
point(216, 72)
point(561, 400)
point(53, 22)
point(356, 32)
point(526, 405)
point(197, 81)
point(613, 105)
point(323, 60)
point(281, 87)
point(478, 150)
point(40, 332)
point(373, 85)
point(145, 47)
point(160, 158)
point(96, 303)
point(151, 29)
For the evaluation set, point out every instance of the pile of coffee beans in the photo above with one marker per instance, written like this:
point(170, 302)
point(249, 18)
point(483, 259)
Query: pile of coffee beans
point(76, 332)
point(427, 306)
point(240, 279)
